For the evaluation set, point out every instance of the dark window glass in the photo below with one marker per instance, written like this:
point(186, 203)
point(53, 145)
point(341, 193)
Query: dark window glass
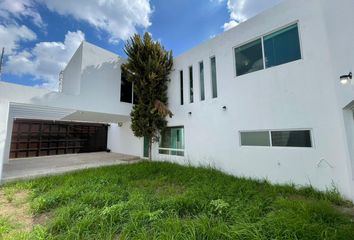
point(291, 138)
point(126, 89)
point(249, 58)
point(282, 46)
point(260, 138)
point(213, 78)
point(181, 85)
point(191, 93)
point(201, 79)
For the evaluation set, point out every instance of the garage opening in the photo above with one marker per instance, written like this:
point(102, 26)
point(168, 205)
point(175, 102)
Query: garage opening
point(34, 138)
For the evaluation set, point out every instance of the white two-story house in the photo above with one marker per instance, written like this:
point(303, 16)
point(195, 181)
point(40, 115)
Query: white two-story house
point(264, 100)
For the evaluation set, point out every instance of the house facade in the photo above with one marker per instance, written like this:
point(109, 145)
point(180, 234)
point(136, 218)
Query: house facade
point(262, 100)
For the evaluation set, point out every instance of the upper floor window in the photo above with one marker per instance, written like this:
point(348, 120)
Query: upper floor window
point(201, 80)
point(282, 46)
point(181, 86)
point(271, 50)
point(126, 89)
point(249, 57)
point(214, 86)
point(191, 92)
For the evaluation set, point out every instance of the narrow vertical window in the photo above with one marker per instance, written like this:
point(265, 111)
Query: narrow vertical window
point(126, 89)
point(201, 79)
point(191, 94)
point(181, 86)
point(213, 77)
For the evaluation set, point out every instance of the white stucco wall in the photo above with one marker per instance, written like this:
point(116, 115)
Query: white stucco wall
point(72, 73)
point(297, 95)
point(122, 140)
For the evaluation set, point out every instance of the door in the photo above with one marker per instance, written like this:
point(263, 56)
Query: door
point(33, 138)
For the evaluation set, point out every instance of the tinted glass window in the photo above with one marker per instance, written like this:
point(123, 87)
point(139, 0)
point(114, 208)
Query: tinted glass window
point(126, 89)
point(255, 138)
point(249, 57)
point(282, 46)
point(213, 77)
point(291, 138)
point(181, 85)
point(201, 76)
point(172, 141)
point(191, 93)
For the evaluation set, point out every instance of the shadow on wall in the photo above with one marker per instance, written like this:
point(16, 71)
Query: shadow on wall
point(100, 90)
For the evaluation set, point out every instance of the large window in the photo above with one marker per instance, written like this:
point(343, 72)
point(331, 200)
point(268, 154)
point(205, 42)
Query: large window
point(249, 57)
point(201, 79)
point(294, 138)
point(126, 89)
point(191, 93)
point(172, 141)
point(214, 86)
point(181, 85)
point(280, 47)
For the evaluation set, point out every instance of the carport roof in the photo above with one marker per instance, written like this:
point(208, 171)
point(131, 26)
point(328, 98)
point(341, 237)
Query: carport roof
point(31, 111)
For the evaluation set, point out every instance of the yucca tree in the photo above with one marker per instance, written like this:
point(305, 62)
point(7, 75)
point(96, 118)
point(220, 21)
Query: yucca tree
point(148, 68)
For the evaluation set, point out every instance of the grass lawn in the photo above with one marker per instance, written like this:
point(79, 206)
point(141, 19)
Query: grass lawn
point(151, 200)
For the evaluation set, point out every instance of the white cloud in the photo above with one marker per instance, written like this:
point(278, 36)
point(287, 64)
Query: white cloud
point(10, 9)
point(45, 60)
point(12, 35)
point(119, 18)
point(229, 25)
point(241, 10)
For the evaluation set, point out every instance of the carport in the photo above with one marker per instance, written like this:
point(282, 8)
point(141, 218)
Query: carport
point(45, 140)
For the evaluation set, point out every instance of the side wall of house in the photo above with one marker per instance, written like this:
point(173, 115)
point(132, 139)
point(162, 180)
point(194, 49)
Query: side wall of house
point(72, 73)
point(339, 21)
point(122, 140)
point(296, 95)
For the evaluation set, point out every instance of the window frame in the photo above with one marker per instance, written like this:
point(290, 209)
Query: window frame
point(297, 22)
point(211, 78)
point(312, 139)
point(132, 86)
point(191, 84)
point(201, 89)
point(173, 149)
point(181, 85)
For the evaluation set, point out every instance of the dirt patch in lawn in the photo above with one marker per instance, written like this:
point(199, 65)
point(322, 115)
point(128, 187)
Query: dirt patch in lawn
point(17, 210)
point(349, 211)
point(43, 218)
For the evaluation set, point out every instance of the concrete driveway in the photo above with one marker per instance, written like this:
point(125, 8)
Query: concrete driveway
point(27, 168)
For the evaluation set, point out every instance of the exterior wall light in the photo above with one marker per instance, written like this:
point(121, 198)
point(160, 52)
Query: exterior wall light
point(224, 108)
point(190, 113)
point(344, 79)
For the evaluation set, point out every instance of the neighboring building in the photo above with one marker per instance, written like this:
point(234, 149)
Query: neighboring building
point(262, 100)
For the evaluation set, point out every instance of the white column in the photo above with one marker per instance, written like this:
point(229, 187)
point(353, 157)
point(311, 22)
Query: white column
point(4, 112)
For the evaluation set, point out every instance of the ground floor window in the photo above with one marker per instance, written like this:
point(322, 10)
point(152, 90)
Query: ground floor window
point(292, 138)
point(172, 141)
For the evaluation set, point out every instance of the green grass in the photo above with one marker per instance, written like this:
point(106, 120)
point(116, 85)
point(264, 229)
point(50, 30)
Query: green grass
point(151, 200)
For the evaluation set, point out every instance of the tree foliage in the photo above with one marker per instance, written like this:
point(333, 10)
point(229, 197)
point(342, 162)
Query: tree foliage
point(148, 68)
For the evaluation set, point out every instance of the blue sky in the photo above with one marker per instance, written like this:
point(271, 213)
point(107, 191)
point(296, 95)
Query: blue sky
point(40, 36)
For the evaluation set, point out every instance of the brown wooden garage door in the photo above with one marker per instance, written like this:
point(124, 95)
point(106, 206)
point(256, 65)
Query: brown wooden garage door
point(32, 138)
